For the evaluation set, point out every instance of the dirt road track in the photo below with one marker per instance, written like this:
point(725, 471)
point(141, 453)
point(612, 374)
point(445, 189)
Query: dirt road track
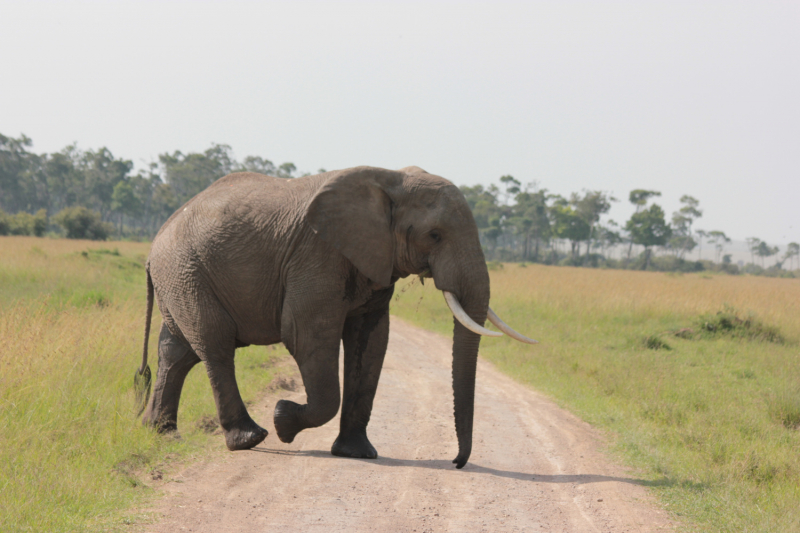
point(534, 467)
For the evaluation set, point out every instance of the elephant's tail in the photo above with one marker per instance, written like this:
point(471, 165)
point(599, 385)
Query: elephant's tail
point(142, 380)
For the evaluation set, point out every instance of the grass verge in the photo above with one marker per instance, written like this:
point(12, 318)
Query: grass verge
point(73, 457)
point(711, 415)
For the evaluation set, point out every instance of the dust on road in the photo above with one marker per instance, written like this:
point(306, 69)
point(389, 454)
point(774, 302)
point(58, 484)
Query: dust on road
point(534, 467)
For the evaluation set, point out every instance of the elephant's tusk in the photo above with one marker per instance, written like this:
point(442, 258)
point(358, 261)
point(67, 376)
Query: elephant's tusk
point(505, 328)
point(463, 317)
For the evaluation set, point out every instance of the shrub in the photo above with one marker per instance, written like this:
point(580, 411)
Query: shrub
point(23, 223)
point(5, 222)
point(728, 322)
point(81, 223)
point(654, 342)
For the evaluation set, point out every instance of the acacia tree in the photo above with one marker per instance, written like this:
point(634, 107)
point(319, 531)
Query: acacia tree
point(590, 207)
point(608, 236)
point(512, 186)
point(567, 224)
point(639, 198)
point(254, 163)
point(792, 251)
point(765, 250)
point(529, 217)
point(700, 236)
point(682, 220)
point(752, 245)
point(125, 202)
point(719, 240)
point(648, 228)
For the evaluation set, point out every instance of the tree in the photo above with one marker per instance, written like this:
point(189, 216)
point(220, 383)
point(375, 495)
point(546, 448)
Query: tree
point(258, 164)
point(567, 224)
point(792, 251)
point(488, 216)
point(64, 178)
point(16, 188)
point(639, 198)
point(590, 207)
point(690, 208)
point(682, 220)
point(648, 228)
point(512, 187)
point(719, 240)
point(765, 250)
point(101, 172)
point(752, 245)
point(189, 174)
point(608, 236)
point(529, 217)
point(700, 236)
point(286, 170)
point(125, 202)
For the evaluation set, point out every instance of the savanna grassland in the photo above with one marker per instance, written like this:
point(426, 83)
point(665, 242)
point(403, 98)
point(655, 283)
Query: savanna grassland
point(708, 418)
point(73, 455)
point(695, 378)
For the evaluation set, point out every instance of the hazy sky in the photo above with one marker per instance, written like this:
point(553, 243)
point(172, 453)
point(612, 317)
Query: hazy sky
point(694, 98)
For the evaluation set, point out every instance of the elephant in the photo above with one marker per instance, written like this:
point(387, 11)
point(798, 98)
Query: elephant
point(311, 262)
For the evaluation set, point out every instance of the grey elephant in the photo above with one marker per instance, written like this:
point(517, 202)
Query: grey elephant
point(311, 262)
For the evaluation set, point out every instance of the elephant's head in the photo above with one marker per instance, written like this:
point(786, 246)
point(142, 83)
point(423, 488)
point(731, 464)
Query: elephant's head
point(391, 224)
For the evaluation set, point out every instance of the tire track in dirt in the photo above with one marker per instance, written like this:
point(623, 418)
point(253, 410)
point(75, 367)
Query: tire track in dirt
point(534, 466)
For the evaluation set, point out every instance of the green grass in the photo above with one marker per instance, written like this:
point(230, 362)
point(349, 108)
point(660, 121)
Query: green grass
point(712, 421)
point(73, 455)
point(709, 417)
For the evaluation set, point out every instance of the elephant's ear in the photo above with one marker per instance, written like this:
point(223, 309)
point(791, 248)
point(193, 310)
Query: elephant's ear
point(353, 213)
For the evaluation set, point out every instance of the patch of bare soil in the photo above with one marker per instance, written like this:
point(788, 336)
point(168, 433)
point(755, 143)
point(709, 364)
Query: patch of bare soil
point(534, 466)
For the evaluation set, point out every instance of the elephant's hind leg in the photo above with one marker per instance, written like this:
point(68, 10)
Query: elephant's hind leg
point(175, 360)
point(241, 432)
point(365, 339)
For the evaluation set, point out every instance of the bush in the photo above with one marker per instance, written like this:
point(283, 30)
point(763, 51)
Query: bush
point(23, 223)
point(81, 223)
point(728, 322)
point(668, 263)
point(5, 222)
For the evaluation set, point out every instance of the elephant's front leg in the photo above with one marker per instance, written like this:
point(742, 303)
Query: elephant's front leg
point(365, 338)
point(317, 356)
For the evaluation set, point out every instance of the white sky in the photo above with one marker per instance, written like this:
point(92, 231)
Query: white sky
point(695, 98)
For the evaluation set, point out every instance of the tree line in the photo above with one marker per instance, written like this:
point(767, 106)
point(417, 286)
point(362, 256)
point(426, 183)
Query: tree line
point(528, 224)
point(93, 194)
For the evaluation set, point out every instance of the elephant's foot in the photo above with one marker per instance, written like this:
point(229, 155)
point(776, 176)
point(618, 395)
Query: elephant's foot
point(286, 419)
point(161, 423)
point(354, 444)
point(245, 435)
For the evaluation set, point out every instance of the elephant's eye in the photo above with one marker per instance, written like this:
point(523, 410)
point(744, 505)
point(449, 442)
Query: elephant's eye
point(435, 235)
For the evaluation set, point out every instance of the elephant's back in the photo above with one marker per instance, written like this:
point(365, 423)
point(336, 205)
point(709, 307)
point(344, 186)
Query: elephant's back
point(231, 241)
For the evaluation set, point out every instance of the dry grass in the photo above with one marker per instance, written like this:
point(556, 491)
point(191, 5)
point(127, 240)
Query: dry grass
point(710, 420)
point(73, 456)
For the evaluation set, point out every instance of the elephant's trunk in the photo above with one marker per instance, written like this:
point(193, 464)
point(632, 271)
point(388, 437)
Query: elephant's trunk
point(465, 361)
point(473, 296)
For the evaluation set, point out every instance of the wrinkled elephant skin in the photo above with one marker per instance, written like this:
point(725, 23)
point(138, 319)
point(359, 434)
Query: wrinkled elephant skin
point(310, 262)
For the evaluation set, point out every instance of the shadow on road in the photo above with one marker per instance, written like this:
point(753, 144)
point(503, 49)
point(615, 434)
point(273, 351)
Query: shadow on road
point(442, 464)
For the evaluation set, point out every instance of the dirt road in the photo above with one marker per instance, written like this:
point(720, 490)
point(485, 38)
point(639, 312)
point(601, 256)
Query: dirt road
point(534, 467)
